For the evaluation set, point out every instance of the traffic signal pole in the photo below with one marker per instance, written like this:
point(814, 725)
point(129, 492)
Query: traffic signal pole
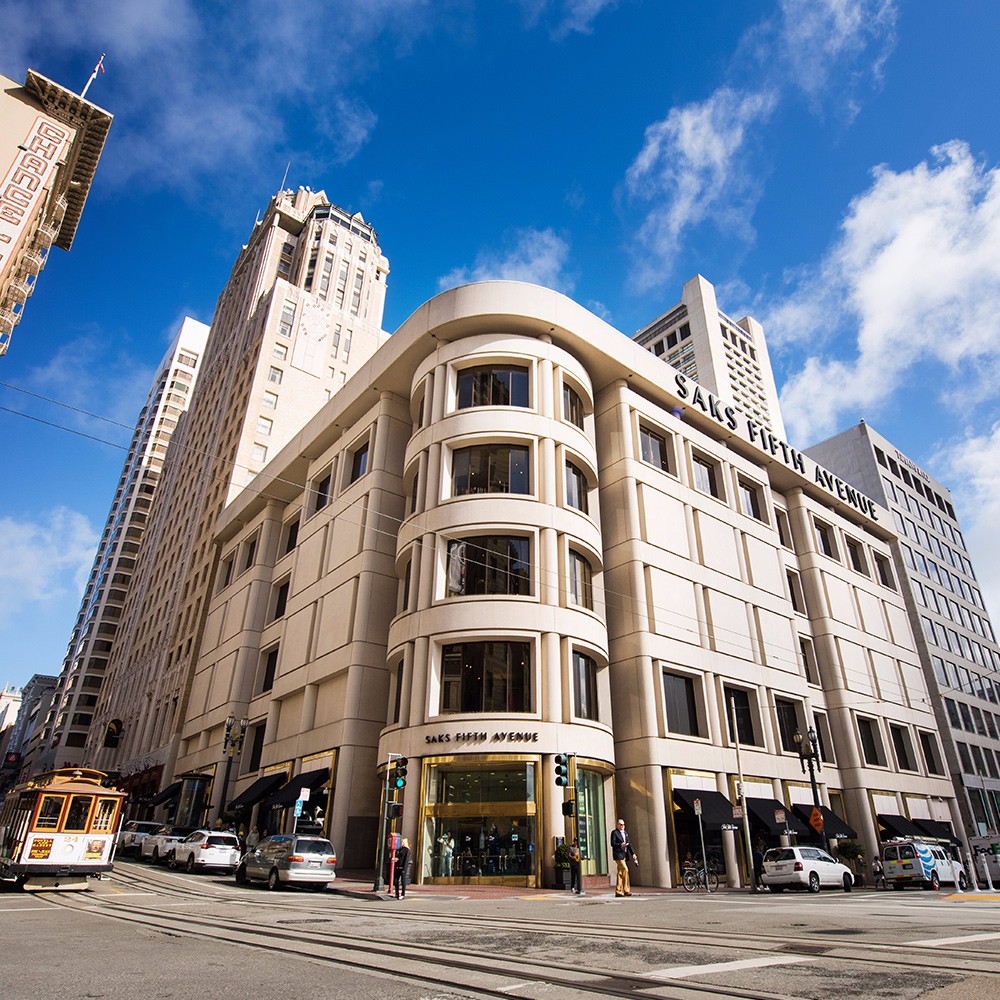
point(379, 885)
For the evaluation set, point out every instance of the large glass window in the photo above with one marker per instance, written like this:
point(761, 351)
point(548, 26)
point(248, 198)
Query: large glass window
point(486, 677)
point(48, 813)
point(572, 406)
point(738, 703)
point(490, 468)
point(706, 476)
point(78, 813)
point(871, 742)
point(581, 589)
point(576, 488)
point(489, 564)
point(788, 722)
point(682, 704)
point(493, 385)
point(584, 687)
point(653, 448)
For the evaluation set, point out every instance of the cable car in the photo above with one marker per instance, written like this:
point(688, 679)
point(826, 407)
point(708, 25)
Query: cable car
point(59, 828)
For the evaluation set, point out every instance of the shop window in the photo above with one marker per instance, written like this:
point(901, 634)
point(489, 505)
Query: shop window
point(489, 564)
point(680, 695)
point(572, 406)
point(576, 488)
point(707, 476)
point(741, 708)
point(486, 677)
point(871, 742)
point(654, 449)
point(584, 687)
point(486, 468)
point(581, 589)
point(786, 714)
point(493, 385)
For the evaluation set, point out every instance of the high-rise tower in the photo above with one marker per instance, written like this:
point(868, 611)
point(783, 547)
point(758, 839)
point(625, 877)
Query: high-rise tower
point(301, 312)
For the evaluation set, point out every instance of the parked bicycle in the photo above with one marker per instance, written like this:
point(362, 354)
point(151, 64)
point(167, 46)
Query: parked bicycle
point(701, 878)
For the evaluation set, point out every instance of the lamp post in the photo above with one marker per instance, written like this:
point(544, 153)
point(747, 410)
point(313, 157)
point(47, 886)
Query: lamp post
point(809, 756)
point(232, 744)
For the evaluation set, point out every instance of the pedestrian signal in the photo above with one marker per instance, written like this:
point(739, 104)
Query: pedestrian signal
point(395, 810)
point(568, 807)
point(562, 770)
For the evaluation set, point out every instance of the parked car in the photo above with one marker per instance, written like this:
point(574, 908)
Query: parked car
point(133, 833)
point(206, 849)
point(286, 860)
point(157, 846)
point(804, 868)
point(916, 862)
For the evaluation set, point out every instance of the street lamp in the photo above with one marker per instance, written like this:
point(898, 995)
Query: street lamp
point(232, 744)
point(809, 756)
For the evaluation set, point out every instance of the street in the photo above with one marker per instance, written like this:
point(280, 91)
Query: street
point(154, 934)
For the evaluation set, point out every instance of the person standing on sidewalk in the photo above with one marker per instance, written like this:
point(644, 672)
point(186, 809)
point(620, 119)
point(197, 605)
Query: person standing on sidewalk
point(621, 852)
point(400, 875)
point(575, 871)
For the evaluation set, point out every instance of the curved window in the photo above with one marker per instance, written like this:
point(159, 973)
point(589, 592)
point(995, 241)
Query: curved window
point(486, 677)
point(493, 385)
point(489, 564)
point(581, 590)
point(576, 488)
point(490, 468)
point(572, 406)
point(584, 687)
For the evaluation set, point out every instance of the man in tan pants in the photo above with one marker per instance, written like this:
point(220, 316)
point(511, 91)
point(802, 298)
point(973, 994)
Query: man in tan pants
point(621, 851)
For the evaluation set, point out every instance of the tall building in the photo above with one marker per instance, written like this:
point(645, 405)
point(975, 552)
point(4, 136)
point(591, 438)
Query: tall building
point(51, 141)
point(955, 638)
point(301, 313)
point(97, 624)
point(725, 356)
point(25, 734)
point(510, 537)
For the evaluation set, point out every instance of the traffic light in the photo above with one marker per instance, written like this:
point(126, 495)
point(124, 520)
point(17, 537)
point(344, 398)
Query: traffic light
point(568, 807)
point(562, 770)
point(399, 772)
point(395, 810)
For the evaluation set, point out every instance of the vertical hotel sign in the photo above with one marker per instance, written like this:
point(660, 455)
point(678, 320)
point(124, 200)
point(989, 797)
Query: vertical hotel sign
point(23, 186)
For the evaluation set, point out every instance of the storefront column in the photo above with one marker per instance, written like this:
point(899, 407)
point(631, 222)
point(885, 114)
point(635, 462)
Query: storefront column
point(654, 863)
point(859, 809)
point(734, 878)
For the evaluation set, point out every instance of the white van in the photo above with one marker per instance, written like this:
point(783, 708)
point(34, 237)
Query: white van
point(917, 862)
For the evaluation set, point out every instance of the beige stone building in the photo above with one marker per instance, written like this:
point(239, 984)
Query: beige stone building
point(50, 143)
point(510, 536)
point(300, 314)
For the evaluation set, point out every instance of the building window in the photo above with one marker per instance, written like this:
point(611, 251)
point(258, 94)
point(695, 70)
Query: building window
point(291, 533)
point(270, 400)
point(280, 352)
point(738, 704)
point(359, 462)
point(905, 760)
point(584, 687)
point(871, 742)
point(751, 499)
point(255, 740)
point(489, 564)
point(784, 531)
point(280, 599)
point(576, 488)
point(274, 375)
point(407, 574)
point(264, 426)
point(795, 592)
point(258, 453)
point(268, 669)
point(249, 553)
point(287, 317)
point(787, 715)
point(493, 385)
point(486, 677)
point(856, 553)
point(884, 571)
point(808, 655)
point(581, 589)
point(486, 468)
point(706, 476)
point(825, 540)
point(681, 701)
point(572, 406)
point(226, 571)
point(321, 490)
point(653, 449)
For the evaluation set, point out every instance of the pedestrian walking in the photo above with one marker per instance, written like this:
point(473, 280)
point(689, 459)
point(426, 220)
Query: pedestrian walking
point(447, 854)
point(758, 868)
point(400, 876)
point(621, 852)
point(878, 874)
point(575, 871)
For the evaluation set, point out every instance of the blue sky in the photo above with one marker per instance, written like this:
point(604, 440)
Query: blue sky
point(830, 165)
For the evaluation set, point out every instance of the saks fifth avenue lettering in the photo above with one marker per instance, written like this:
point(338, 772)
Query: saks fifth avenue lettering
point(500, 737)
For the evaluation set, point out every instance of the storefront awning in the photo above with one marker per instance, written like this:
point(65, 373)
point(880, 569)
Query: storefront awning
point(167, 794)
point(936, 829)
point(261, 788)
point(287, 795)
point(899, 826)
point(834, 828)
point(762, 812)
point(716, 809)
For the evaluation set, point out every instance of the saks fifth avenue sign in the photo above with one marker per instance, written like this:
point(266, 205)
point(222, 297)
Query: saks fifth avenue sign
point(757, 434)
point(481, 737)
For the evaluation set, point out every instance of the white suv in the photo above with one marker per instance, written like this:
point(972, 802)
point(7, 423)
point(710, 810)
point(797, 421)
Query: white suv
point(206, 849)
point(133, 833)
point(804, 868)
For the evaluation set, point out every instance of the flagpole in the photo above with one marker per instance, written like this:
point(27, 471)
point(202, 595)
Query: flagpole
point(99, 68)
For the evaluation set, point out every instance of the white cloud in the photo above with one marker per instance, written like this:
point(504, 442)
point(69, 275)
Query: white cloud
point(535, 255)
point(579, 16)
point(914, 278)
point(44, 559)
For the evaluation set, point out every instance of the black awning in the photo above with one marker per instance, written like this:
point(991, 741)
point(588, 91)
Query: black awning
point(287, 795)
point(936, 829)
point(262, 787)
point(762, 812)
point(168, 793)
point(716, 809)
point(899, 826)
point(834, 828)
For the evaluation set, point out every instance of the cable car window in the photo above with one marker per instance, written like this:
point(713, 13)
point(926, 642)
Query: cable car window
point(105, 816)
point(48, 812)
point(79, 810)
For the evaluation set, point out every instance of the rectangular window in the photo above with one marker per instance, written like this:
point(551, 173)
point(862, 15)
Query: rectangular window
point(808, 654)
point(824, 539)
point(784, 531)
point(264, 426)
point(932, 757)
point(321, 490)
point(905, 760)
point(268, 669)
point(258, 453)
point(737, 701)
point(493, 385)
point(751, 502)
point(786, 713)
point(287, 316)
point(270, 400)
point(681, 701)
point(280, 352)
point(280, 599)
point(359, 463)
point(856, 554)
point(584, 687)
point(653, 448)
point(795, 592)
point(572, 406)
point(489, 564)
point(291, 533)
point(576, 488)
point(249, 552)
point(255, 739)
point(486, 677)
point(226, 571)
point(883, 569)
point(274, 375)
point(871, 742)
point(706, 476)
point(490, 469)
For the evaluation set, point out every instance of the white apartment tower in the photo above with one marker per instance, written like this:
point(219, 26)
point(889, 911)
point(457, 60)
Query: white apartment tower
point(301, 312)
point(725, 356)
point(955, 638)
point(64, 735)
